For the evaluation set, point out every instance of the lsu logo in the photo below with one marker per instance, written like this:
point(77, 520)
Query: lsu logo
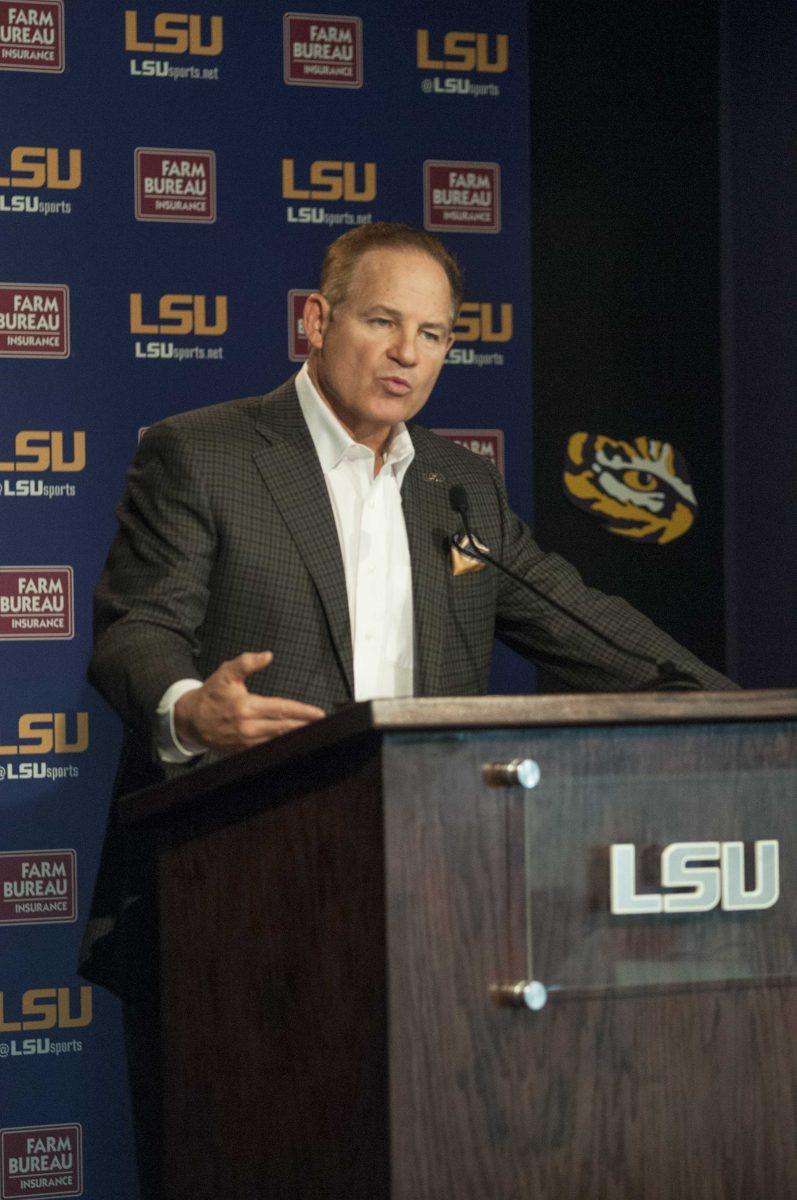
point(46, 1008)
point(42, 167)
point(179, 315)
point(175, 33)
point(47, 450)
point(50, 733)
point(638, 489)
point(330, 180)
point(464, 52)
point(41, 1160)
point(478, 322)
point(32, 35)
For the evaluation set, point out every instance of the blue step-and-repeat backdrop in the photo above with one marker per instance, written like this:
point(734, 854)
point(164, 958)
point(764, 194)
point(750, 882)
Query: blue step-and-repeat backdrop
point(168, 182)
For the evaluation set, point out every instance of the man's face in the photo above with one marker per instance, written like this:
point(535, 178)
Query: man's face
point(377, 357)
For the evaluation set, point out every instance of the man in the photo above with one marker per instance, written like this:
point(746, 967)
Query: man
point(278, 556)
point(281, 555)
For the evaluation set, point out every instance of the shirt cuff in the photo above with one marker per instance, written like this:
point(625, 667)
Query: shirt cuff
point(170, 748)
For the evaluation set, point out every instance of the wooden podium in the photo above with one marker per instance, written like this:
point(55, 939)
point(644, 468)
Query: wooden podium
point(390, 965)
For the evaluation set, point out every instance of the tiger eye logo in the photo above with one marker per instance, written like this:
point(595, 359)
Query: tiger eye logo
point(638, 489)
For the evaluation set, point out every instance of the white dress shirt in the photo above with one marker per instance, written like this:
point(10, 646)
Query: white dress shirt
point(376, 561)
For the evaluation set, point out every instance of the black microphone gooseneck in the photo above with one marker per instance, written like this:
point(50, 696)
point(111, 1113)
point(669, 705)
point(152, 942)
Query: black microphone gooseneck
point(669, 676)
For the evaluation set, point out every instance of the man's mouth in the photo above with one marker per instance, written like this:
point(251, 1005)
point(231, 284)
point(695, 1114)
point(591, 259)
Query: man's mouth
point(395, 385)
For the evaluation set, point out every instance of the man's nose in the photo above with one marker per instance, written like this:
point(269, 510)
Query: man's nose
point(403, 348)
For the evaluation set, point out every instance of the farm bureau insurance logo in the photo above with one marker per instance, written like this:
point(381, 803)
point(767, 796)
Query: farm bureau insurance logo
point(176, 34)
point(37, 887)
point(331, 180)
point(41, 1160)
point(461, 52)
point(37, 452)
point(175, 185)
point(40, 734)
point(178, 315)
point(34, 320)
point(487, 443)
point(487, 324)
point(36, 168)
point(461, 197)
point(298, 346)
point(32, 35)
point(36, 603)
point(320, 50)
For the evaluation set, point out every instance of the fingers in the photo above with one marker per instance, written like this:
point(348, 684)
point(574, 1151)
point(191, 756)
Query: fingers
point(279, 708)
point(237, 669)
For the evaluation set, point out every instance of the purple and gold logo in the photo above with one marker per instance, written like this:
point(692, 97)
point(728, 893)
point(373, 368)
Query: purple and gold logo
point(322, 51)
point(487, 443)
point(175, 185)
point(37, 887)
point(41, 1160)
point(36, 603)
point(462, 197)
point(32, 35)
point(638, 489)
point(34, 320)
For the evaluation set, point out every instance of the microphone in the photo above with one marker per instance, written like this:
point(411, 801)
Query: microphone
point(669, 676)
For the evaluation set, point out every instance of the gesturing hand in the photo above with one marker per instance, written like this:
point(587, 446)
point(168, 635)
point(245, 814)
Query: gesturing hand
point(224, 715)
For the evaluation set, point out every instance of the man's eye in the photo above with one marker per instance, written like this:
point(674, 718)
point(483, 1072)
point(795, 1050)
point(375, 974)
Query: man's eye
point(380, 321)
point(431, 336)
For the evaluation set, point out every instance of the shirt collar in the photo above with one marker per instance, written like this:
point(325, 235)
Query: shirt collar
point(332, 442)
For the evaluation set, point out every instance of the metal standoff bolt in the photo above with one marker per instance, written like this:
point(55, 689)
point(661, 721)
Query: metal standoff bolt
point(520, 772)
point(526, 994)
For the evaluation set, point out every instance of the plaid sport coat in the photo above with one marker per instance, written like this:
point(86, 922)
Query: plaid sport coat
point(227, 542)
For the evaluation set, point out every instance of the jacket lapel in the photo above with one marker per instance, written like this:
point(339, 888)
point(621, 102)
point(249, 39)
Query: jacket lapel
point(427, 516)
point(291, 471)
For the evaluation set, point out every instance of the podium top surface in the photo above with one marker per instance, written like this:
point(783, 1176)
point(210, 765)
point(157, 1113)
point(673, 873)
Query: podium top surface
point(451, 713)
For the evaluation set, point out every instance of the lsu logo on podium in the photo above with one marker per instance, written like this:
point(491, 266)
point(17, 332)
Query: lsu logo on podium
point(322, 51)
point(41, 1160)
point(36, 603)
point(32, 35)
point(462, 51)
point(175, 185)
point(174, 33)
point(38, 887)
point(34, 320)
point(461, 197)
point(330, 180)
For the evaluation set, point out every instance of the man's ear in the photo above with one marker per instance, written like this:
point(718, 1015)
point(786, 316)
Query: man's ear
point(316, 319)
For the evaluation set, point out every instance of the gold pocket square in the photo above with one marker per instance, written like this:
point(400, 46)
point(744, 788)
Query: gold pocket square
point(463, 563)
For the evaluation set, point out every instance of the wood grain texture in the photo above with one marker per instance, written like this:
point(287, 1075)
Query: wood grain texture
point(617, 1096)
point(452, 712)
point(332, 928)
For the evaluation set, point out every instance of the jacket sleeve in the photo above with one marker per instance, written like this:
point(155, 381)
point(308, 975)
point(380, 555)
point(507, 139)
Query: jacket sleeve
point(150, 602)
point(610, 656)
